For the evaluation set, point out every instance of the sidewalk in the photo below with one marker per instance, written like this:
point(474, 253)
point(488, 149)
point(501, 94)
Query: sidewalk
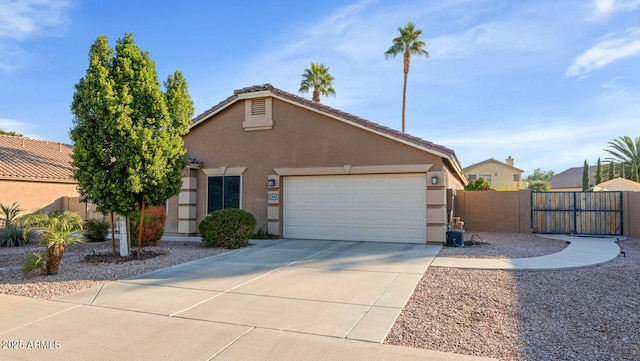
point(581, 252)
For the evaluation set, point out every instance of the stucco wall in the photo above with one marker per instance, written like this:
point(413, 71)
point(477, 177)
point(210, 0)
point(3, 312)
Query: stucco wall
point(631, 214)
point(33, 196)
point(507, 211)
point(299, 139)
point(511, 211)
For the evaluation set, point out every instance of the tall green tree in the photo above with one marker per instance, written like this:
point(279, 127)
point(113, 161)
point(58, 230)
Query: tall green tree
point(127, 131)
point(598, 175)
point(317, 79)
point(539, 174)
point(585, 176)
point(407, 43)
point(626, 151)
point(612, 171)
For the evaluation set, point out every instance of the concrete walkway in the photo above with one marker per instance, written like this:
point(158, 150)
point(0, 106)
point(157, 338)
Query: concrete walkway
point(581, 252)
point(276, 300)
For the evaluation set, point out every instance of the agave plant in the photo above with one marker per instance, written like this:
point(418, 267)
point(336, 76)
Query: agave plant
point(56, 230)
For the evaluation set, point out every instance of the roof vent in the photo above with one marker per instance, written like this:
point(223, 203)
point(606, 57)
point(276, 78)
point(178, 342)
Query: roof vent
point(258, 107)
point(258, 114)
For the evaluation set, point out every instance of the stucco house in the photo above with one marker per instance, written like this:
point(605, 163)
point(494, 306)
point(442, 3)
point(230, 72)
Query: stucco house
point(498, 174)
point(308, 171)
point(36, 174)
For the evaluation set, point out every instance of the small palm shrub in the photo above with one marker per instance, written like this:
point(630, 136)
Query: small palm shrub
point(227, 228)
point(96, 230)
point(56, 231)
point(11, 231)
point(152, 226)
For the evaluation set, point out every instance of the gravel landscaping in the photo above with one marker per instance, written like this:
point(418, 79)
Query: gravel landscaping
point(578, 314)
point(76, 274)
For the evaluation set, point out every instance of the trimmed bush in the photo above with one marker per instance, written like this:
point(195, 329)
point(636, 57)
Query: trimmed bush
point(153, 226)
point(227, 228)
point(96, 230)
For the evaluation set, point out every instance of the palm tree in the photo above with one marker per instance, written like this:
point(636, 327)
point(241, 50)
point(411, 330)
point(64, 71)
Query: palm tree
point(318, 79)
point(57, 230)
point(408, 43)
point(626, 151)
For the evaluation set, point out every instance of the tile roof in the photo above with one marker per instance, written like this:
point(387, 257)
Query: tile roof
point(571, 178)
point(30, 159)
point(329, 111)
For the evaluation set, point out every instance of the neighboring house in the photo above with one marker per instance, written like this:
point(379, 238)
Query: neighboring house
point(37, 174)
point(308, 171)
point(499, 174)
point(570, 180)
point(617, 184)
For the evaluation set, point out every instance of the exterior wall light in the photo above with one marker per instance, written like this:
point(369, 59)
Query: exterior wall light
point(271, 182)
point(434, 179)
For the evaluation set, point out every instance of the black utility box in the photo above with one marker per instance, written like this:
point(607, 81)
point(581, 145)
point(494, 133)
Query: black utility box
point(455, 238)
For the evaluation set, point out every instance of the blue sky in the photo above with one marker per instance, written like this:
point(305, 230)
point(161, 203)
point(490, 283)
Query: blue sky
point(547, 82)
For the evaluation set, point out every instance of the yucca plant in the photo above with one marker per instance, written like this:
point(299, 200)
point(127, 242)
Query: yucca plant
point(56, 230)
point(10, 233)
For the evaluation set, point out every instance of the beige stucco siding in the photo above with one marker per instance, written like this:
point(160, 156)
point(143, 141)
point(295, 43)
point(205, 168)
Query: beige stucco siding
point(299, 138)
point(501, 176)
point(35, 195)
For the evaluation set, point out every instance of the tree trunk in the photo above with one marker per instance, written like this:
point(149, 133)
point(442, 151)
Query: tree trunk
point(316, 95)
point(54, 256)
point(407, 60)
point(113, 235)
point(140, 227)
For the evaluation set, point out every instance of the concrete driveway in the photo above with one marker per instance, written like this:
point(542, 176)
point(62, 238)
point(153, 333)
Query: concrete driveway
point(351, 290)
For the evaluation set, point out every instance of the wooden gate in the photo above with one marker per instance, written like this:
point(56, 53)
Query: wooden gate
point(597, 213)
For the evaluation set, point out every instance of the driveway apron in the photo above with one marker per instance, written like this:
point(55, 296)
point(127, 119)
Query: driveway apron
point(350, 290)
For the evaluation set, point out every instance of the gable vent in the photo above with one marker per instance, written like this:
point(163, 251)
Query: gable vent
point(258, 107)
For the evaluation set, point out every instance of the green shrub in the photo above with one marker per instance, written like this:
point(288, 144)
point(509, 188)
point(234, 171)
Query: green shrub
point(11, 232)
point(227, 228)
point(153, 226)
point(539, 186)
point(33, 262)
point(96, 230)
point(479, 184)
point(261, 234)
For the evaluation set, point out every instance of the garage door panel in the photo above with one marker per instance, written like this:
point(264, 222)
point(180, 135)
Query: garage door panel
point(386, 208)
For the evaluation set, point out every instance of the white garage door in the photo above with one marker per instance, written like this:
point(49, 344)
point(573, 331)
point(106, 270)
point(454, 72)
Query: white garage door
point(381, 207)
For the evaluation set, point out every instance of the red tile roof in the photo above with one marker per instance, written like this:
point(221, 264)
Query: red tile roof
point(333, 112)
point(30, 159)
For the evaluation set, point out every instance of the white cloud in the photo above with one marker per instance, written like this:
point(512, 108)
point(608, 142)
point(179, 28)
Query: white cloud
point(490, 37)
point(25, 19)
point(614, 89)
point(26, 129)
point(603, 9)
point(606, 51)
